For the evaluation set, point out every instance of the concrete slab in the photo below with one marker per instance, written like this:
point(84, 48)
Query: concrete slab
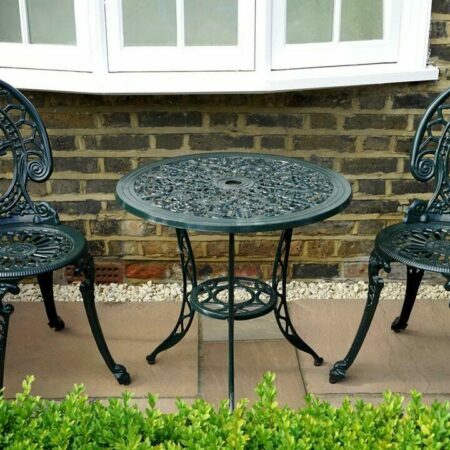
point(252, 360)
point(417, 358)
point(264, 328)
point(132, 330)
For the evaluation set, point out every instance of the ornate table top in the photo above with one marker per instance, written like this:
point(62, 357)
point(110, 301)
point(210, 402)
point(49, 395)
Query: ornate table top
point(233, 192)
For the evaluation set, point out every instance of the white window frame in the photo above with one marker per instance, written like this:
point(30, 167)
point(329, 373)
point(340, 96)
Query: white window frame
point(336, 53)
point(50, 56)
point(411, 64)
point(180, 57)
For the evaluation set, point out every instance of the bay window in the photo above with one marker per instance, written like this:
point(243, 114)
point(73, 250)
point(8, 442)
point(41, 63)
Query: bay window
point(170, 46)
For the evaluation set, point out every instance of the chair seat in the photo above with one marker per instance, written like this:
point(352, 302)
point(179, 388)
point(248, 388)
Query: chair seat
point(422, 245)
point(27, 250)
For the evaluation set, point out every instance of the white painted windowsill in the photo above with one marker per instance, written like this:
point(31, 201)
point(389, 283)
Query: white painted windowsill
point(214, 82)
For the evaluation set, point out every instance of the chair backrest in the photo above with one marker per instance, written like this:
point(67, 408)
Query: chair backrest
point(24, 140)
point(430, 159)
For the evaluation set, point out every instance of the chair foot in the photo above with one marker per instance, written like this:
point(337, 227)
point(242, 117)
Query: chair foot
point(151, 359)
point(58, 325)
point(318, 361)
point(121, 375)
point(338, 372)
point(398, 326)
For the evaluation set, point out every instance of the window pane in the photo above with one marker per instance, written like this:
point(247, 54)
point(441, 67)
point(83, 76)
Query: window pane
point(309, 21)
point(10, 21)
point(361, 20)
point(51, 22)
point(149, 22)
point(211, 22)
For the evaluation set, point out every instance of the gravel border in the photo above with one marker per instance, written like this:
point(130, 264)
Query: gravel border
point(157, 292)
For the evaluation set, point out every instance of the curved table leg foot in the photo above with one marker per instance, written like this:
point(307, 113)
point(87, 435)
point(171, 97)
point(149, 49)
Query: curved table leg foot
point(376, 263)
point(187, 313)
point(279, 276)
point(86, 267)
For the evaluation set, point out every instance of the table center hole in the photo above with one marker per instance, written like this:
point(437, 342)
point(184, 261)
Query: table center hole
point(233, 182)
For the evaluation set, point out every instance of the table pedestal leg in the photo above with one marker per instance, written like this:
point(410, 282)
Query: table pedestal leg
point(279, 275)
point(187, 312)
point(231, 321)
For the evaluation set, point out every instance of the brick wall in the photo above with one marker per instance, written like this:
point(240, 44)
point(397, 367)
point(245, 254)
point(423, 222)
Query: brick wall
point(362, 132)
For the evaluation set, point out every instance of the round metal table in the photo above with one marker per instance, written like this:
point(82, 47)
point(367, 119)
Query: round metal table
point(233, 193)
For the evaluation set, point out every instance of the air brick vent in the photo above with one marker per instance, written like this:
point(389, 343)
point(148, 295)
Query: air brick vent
point(105, 273)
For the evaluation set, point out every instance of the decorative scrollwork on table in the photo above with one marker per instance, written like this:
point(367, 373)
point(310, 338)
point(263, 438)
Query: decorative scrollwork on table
point(233, 187)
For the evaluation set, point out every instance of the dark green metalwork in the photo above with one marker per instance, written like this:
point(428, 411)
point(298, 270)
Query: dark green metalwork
point(231, 310)
point(208, 298)
point(23, 135)
point(283, 319)
point(32, 240)
point(5, 311)
point(85, 266)
point(413, 280)
point(422, 242)
point(45, 281)
point(376, 283)
point(233, 192)
point(27, 249)
point(187, 312)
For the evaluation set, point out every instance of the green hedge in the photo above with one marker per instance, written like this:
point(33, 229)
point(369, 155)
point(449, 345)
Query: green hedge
point(29, 422)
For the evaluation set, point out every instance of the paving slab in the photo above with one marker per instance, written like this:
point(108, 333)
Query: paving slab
point(252, 360)
point(417, 358)
point(59, 360)
point(264, 328)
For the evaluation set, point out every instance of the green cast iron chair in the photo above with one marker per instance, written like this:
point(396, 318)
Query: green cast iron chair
point(422, 241)
point(33, 242)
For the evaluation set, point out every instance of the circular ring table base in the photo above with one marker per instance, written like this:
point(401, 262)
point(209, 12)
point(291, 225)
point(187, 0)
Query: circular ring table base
point(253, 298)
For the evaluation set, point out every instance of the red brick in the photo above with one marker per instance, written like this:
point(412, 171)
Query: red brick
point(148, 271)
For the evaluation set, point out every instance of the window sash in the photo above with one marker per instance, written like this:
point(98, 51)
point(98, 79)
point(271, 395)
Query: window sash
point(50, 56)
point(180, 58)
point(336, 53)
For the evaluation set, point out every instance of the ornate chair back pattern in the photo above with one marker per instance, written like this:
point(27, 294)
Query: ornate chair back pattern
point(23, 137)
point(430, 159)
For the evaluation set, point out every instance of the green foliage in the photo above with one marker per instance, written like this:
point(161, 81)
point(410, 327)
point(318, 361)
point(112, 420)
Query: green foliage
point(31, 423)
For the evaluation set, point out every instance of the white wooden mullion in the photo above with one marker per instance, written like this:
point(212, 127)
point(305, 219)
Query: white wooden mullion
point(24, 21)
point(180, 24)
point(119, 29)
point(263, 36)
point(99, 43)
point(337, 10)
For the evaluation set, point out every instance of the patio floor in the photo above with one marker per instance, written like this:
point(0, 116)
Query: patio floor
point(418, 358)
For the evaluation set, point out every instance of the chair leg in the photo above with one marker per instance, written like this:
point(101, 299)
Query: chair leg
point(5, 311)
point(376, 263)
point(45, 281)
point(414, 277)
point(86, 267)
